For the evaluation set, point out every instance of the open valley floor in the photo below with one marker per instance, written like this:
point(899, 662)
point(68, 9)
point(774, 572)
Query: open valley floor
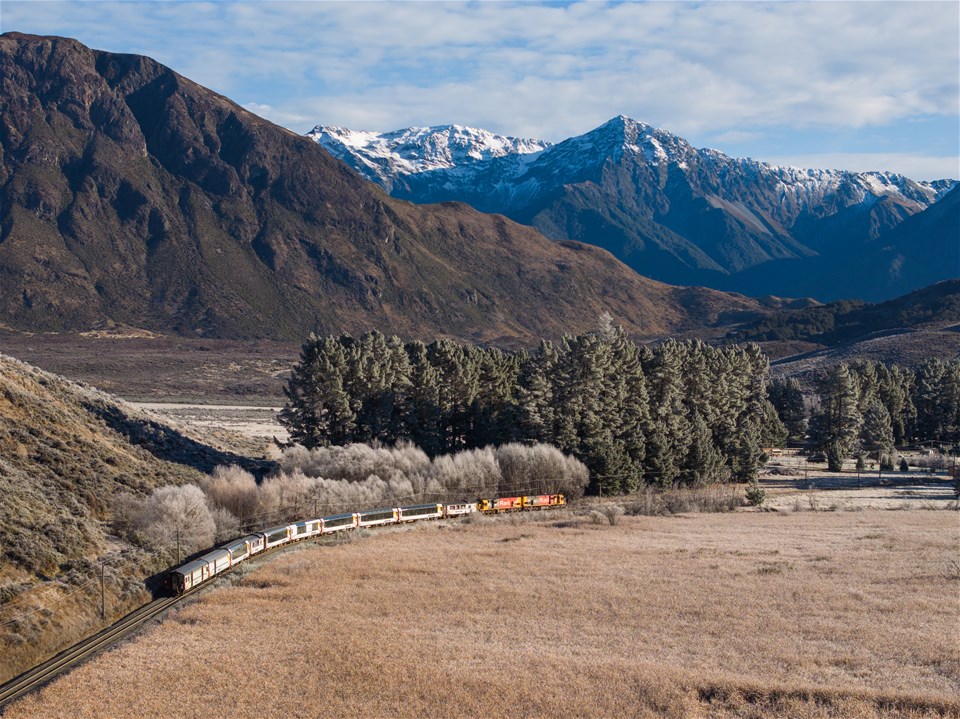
point(790, 613)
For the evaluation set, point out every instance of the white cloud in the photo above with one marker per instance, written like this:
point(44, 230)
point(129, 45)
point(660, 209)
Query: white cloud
point(545, 70)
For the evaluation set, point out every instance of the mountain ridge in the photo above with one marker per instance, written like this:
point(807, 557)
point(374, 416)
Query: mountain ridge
point(131, 196)
point(669, 210)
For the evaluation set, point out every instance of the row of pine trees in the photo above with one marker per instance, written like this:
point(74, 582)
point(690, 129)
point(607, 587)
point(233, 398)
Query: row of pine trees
point(678, 413)
point(869, 408)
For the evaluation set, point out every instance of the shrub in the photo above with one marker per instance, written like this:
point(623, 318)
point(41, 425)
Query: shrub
point(755, 494)
point(540, 469)
point(676, 501)
point(612, 512)
point(355, 462)
point(226, 526)
point(468, 474)
point(234, 490)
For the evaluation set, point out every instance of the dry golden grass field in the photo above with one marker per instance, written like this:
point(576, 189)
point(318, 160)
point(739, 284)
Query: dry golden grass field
point(788, 614)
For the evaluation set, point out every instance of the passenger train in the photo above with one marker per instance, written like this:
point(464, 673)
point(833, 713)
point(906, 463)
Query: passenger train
point(229, 555)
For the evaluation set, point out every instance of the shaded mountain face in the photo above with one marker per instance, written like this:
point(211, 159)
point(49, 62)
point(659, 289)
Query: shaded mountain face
point(668, 210)
point(130, 195)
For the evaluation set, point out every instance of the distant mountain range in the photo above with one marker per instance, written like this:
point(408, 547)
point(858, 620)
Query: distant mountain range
point(680, 214)
point(131, 196)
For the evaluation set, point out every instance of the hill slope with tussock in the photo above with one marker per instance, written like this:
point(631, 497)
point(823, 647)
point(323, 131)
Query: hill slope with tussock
point(66, 450)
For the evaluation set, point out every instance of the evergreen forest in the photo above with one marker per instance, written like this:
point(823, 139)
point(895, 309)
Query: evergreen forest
point(868, 408)
point(680, 413)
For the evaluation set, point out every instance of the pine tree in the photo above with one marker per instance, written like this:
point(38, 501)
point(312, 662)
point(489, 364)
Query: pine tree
point(773, 432)
point(704, 464)
point(421, 406)
point(838, 423)
point(787, 397)
point(534, 395)
point(876, 433)
point(493, 413)
point(668, 434)
point(318, 409)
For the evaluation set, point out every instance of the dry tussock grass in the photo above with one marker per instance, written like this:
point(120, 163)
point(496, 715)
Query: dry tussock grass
point(654, 617)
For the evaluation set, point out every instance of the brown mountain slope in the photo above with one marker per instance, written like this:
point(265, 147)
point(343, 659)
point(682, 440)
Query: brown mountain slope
point(131, 195)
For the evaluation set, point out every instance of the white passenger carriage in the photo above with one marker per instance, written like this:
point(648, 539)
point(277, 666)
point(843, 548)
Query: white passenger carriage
point(338, 522)
point(199, 570)
point(458, 510)
point(275, 536)
point(419, 511)
point(308, 528)
point(218, 560)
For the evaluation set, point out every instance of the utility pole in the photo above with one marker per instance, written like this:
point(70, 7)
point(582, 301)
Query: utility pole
point(178, 545)
point(103, 594)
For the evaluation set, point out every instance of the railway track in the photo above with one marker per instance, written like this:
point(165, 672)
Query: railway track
point(66, 660)
point(69, 658)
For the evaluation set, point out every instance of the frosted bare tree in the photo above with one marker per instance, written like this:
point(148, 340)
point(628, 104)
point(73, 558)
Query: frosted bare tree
point(178, 516)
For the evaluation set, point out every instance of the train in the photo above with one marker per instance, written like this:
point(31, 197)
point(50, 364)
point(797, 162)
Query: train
point(229, 555)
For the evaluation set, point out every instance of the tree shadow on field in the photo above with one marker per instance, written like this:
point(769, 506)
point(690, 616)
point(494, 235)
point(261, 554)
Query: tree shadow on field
point(169, 445)
point(910, 485)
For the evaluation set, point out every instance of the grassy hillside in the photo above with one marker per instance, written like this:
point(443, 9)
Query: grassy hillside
point(66, 450)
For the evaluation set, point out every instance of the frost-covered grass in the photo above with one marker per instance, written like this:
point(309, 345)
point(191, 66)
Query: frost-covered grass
point(719, 615)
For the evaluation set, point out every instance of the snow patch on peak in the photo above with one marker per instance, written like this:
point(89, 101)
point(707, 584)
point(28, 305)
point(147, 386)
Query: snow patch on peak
point(421, 149)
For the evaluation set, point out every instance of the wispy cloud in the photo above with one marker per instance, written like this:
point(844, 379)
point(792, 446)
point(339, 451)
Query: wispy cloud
point(545, 70)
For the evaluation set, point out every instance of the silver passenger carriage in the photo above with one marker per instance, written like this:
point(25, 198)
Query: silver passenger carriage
point(275, 536)
point(240, 549)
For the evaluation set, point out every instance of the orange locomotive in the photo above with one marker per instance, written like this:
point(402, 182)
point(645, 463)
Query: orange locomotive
point(516, 504)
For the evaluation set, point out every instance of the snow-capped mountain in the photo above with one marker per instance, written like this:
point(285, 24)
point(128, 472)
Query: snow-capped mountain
point(669, 210)
point(386, 157)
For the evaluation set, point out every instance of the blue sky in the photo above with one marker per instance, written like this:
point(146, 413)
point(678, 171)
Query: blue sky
point(858, 85)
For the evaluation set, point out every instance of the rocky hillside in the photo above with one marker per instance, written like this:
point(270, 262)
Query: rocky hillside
point(131, 196)
point(682, 214)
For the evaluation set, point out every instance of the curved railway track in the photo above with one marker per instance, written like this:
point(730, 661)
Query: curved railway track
point(69, 658)
point(35, 678)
